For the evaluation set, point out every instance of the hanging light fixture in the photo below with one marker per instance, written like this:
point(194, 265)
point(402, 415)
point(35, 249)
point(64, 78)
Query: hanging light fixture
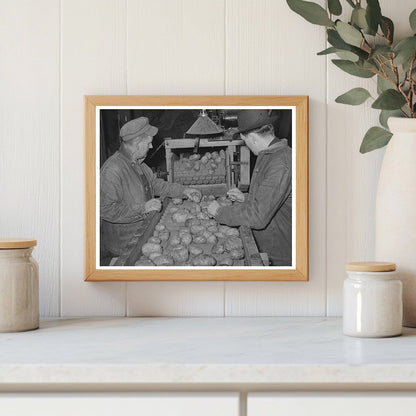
point(204, 126)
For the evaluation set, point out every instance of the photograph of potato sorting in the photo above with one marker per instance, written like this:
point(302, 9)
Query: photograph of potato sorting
point(197, 187)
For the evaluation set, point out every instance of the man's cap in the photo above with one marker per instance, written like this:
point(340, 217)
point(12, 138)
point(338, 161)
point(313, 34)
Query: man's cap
point(253, 119)
point(137, 127)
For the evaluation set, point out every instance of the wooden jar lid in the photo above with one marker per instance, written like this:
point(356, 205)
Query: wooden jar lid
point(11, 243)
point(371, 266)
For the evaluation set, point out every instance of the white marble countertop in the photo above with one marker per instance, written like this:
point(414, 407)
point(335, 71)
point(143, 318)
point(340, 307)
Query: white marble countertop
point(248, 352)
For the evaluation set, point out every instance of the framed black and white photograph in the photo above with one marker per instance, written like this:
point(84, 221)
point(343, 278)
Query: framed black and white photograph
point(196, 187)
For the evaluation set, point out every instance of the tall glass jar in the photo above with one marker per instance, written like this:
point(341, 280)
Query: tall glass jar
point(19, 286)
point(372, 300)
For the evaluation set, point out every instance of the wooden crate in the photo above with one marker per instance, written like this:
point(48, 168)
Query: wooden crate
point(236, 172)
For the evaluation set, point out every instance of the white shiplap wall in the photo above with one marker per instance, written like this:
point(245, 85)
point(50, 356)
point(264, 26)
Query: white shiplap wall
point(55, 52)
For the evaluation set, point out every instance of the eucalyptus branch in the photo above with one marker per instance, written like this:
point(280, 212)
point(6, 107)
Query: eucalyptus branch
point(367, 40)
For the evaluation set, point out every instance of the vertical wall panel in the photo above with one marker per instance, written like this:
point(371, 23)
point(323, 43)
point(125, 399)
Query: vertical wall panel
point(352, 177)
point(29, 135)
point(272, 51)
point(175, 47)
point(93, 62)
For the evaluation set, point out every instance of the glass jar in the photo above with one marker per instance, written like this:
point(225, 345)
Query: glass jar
point(19, 286)
point(372, 300)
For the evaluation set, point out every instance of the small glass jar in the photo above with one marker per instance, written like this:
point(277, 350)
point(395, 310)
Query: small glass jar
point(19, 286)
point(372, 300)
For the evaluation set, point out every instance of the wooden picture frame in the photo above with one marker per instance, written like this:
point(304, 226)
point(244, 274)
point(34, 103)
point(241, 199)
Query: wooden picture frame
point(94, 114)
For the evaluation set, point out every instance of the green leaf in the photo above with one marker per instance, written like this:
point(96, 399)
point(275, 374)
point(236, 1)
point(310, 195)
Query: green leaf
point(352, 68)
point(373, 15)
point(412, 20)
point(375, 138)
point(383, 84)
point(387, 27)
point(334, 7)
point(356, 96)
point(327, 51)
point(405, 50)
point(348, 56)
point(349, 34)
point(358, 18)
point(389, 100)
point(336, 41)
point(381, 50)
point(311, 12)
point(386, 114)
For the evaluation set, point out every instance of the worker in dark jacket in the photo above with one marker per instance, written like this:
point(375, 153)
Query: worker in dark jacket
point(267, 208)
point(128, 187)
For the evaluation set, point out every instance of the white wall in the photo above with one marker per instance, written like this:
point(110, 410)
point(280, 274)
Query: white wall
point(55, 52)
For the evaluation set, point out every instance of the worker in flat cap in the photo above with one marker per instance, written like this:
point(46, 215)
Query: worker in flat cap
point(267, 208)
point(129, 188)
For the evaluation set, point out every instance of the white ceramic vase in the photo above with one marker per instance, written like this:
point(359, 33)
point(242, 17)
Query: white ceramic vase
point(396, 210)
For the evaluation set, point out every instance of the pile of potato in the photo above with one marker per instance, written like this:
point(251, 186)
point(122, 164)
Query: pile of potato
point(200, 168)
point(187, 236)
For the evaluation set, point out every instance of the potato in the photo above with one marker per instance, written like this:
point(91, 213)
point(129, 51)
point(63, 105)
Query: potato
point(228, 230)
point(237, 253)
point(154, 255)
point(211, 198)
point(204, 260)
point(175, 240)
point(218, 248)
point(214, 154)
point(212, 229)
point(186, 239)
point(199, 239)
point(206, 233)
point(164, 235)
point(195, 157)
point(160, 227)
point(195, 250)
point(192, 221)
point(203, 216)
point(196, 208)
point(180, 216)
point(183, 230)
point(211, 239)
point(149, 248)
point(154, 240)
point(208, 155)
point(197, 229)
point(204, 160)
point(179, 254)
point(232, 243)
point(144, 262)
point(226, 261)
point(163, 260)
point(187, 165)
point(177, 201)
